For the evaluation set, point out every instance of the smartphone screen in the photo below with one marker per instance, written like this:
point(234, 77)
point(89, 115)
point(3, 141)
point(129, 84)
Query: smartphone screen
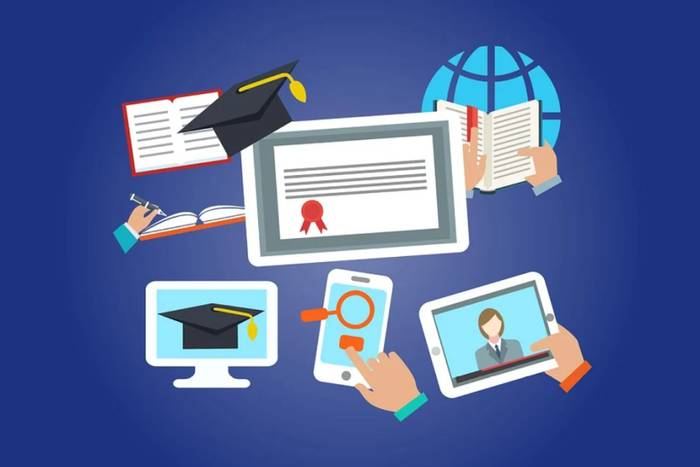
point(355, 310)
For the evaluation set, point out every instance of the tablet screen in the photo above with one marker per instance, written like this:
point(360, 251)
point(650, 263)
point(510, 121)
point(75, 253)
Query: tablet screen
point(356, 184)
point(355, 188)
point(492, 334)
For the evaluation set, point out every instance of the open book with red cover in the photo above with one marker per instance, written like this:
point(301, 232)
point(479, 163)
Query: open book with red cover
point(184, 222)
point(152, 127)
point(500, 134)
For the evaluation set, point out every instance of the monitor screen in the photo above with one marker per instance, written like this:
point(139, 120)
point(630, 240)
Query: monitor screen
point(219, 339)
point(492, 334)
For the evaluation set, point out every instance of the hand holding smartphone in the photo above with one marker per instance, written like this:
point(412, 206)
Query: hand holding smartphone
point(355, 314)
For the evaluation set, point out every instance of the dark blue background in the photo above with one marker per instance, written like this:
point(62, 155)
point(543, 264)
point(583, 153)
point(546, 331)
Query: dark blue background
point(614, 241)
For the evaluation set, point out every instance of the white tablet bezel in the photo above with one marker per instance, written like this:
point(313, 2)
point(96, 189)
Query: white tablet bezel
point(437, 353)
point(458, 192)
point(152, 289)
point(329, 372)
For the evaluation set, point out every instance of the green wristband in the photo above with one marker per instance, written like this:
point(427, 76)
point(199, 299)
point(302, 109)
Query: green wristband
point(405, 411)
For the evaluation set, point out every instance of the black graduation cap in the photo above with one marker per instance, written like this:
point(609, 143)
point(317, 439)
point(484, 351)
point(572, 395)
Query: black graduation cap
point(213, 326)
point(250, 110)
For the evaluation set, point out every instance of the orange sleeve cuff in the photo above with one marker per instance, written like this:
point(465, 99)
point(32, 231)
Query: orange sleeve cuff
point(571, 380)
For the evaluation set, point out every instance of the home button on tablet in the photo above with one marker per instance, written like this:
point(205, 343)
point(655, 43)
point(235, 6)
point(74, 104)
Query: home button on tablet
point(550, 317)
point(345, 375)
point(435, 351)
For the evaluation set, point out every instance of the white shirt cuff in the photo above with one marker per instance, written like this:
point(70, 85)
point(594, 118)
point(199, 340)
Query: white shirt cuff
point(131, 230)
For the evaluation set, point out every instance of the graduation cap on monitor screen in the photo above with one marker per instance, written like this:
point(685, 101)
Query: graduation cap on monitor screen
point(249, 110)
point(213, 326)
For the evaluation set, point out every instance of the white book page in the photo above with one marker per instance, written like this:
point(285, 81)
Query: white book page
point(482, 138)
point(150, 126)
point(174, 221)
point(513, 128)
point(460, 110)
point(201, 145)
point(363, 186)
point(484, 147)
point(217, 213)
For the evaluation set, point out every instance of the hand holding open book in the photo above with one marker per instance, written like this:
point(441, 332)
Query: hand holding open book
point(503, 147)
point(543, 157)
point(545, 161)
point(474, 163)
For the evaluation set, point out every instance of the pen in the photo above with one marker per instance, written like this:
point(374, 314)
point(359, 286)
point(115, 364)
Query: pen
point(146, 204)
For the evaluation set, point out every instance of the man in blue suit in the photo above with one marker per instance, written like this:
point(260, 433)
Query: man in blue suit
point(497, 350)
point(127, 234)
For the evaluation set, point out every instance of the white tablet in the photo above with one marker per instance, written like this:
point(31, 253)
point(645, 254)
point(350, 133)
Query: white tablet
point(481, 338)
point(355, 188)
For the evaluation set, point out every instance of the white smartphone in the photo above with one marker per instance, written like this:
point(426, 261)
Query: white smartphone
point(364, 300)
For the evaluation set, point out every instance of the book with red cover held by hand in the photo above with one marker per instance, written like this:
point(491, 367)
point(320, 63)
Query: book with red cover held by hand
point(152, 127)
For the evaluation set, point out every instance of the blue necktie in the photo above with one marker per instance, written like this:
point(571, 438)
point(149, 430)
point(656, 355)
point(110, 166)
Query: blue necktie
point(498, 352)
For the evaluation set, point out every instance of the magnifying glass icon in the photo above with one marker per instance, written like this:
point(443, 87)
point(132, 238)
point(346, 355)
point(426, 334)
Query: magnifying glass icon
point(320, 314)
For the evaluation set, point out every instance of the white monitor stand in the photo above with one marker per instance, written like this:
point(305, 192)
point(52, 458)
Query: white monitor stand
point(211, 375)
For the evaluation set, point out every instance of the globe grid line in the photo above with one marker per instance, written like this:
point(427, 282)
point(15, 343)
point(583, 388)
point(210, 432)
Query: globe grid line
point(491, 78)
point(455, 76)
point(491, 74)
point(528, 77)
point(521, 66)
point(476, 77)
point(514, 74)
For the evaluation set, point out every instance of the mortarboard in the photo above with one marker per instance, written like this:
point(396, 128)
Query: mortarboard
point(250, 110)
point(213, 326)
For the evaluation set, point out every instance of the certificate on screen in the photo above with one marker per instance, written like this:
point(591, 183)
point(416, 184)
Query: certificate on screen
point(355, 188)
point(363, 186)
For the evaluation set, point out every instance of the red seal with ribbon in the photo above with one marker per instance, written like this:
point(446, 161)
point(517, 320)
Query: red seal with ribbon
point(312, 211)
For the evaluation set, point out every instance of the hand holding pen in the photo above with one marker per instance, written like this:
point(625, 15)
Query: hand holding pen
point(146, 204)
point(143, 214)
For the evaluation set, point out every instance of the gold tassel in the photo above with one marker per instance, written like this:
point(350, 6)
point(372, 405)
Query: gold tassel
point(252, 327)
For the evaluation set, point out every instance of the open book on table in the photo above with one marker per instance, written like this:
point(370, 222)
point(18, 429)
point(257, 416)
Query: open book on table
point(183, 222)
point(500, 134)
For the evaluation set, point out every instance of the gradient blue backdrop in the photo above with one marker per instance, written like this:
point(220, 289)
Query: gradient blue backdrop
point(616, 241)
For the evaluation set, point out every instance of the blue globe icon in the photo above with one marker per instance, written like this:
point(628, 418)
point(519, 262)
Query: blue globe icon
point(493, 77)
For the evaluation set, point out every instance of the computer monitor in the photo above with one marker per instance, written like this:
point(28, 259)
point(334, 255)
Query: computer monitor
point(211, 325)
